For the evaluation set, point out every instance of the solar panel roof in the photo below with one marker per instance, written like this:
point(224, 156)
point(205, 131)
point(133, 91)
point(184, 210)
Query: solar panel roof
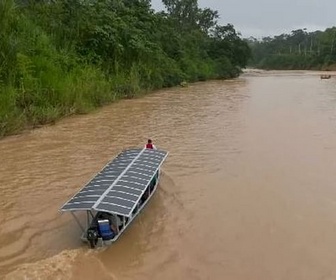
point(118, 187)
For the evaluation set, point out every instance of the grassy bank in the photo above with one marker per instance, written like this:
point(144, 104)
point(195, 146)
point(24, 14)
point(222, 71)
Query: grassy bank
point(59, 58)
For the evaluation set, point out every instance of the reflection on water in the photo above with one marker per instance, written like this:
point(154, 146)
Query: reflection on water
point(247, 191)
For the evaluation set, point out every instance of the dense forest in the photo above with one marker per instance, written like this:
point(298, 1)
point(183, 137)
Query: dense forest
point(62, 57)
point(298, 50)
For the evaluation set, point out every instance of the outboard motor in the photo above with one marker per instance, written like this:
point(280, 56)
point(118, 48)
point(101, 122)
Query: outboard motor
point(92, 236)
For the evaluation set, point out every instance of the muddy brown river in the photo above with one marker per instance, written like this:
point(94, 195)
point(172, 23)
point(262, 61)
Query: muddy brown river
point(248, 191)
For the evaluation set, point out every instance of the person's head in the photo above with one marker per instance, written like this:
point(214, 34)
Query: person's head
point(149, 141)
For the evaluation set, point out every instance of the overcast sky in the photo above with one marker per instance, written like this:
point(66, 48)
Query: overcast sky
point(260, 18)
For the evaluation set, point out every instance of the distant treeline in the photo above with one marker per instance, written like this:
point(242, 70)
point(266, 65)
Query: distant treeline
point(61, 57)
point(298, 50)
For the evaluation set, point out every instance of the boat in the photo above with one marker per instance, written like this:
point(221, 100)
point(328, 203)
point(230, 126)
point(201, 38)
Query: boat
point(114, 197)
point(325, 77)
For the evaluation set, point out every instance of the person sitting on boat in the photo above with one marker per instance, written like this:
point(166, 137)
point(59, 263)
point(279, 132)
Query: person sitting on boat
point(150, 145)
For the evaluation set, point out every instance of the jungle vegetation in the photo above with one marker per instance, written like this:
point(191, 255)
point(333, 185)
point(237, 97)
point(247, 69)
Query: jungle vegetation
point(63, 57)
point(299, 50)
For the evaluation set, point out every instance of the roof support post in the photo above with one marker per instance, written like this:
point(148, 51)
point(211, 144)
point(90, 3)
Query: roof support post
point(78, 222)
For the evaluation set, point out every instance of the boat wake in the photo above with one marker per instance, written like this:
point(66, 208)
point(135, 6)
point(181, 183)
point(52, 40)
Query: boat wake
point(56, 267)
point(170, 189)
point(67, 265)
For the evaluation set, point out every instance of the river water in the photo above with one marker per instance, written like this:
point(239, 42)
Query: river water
point(248, 190)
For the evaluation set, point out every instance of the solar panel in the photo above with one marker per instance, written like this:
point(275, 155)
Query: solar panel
point(118, 188)
point(125, 193)
point(93, 190)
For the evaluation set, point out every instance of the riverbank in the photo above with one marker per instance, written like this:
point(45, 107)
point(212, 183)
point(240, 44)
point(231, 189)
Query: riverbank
point(319, 75)
point(63, 59)
point(14, 121)
point(321, 68)
point(331, 67)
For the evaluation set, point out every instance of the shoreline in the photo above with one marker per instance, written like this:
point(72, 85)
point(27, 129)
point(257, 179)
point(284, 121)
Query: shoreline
point(142, 93)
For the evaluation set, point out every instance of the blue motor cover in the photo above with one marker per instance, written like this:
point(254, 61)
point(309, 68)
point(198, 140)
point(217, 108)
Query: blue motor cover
point(105, 229)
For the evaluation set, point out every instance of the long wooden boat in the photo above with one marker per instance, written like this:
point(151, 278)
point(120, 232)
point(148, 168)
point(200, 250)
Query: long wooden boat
point(116, 195)
point(323, 77)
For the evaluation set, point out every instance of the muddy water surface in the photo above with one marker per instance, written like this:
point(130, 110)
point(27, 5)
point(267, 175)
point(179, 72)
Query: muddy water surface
point(248, 190)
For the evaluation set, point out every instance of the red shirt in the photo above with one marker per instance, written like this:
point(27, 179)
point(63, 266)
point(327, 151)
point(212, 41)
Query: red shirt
point(150, 146)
